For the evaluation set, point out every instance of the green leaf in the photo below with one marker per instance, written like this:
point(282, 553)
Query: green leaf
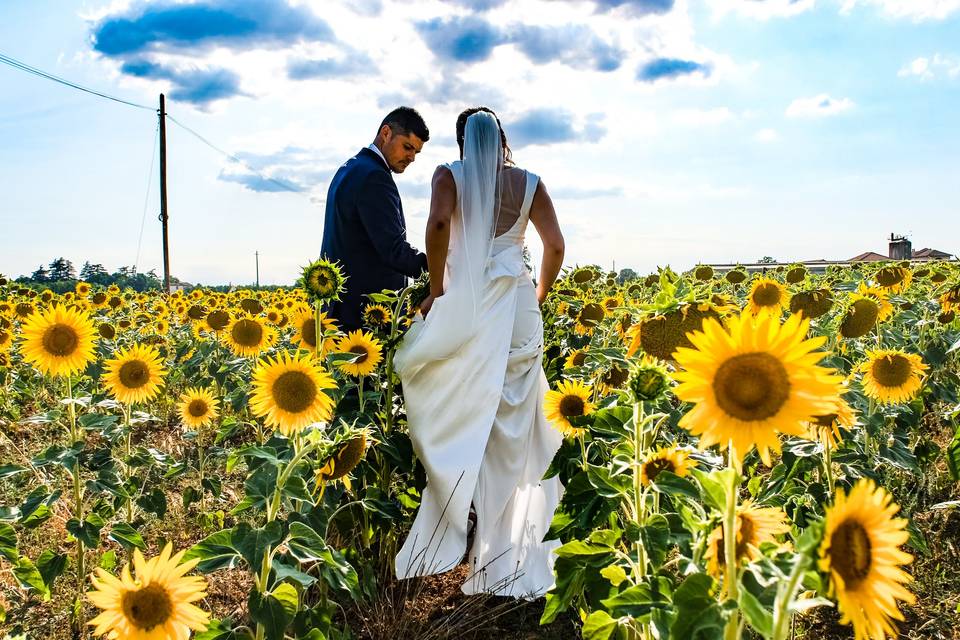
point(655, 535)
point(714, 486)
point(128, 537)
point(568, 585)
point(606, 483)
point(599, 626)
point(10, 470)
point(252, 544)
point(673, 485)
point(306, 545)
point(579, 548)
point(953, 456)
point(30, 577)
point(615, 574)
point(216, 551)
point(285, 571)
point(154, 502)
point(88, 532)
point(698, 615)
point(98, 421)
point(51, 565)
point(756, 614)
point(8, 543)
point(637, 601)
point(274, 610)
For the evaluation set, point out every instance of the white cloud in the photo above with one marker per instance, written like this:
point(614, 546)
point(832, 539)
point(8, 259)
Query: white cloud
point(916, 10)
point(702, 117)
point(928, 68)
point(761, 9)
point(766, 136)
point(818, 106)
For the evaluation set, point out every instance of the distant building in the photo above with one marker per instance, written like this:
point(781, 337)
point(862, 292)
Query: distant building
point(899, 248)
point(179, 285)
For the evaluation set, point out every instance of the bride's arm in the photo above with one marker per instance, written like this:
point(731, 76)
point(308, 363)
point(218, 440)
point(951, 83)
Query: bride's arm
point(544, 218)
point(443, 201)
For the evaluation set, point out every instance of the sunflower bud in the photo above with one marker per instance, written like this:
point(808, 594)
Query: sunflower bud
point(648, 381)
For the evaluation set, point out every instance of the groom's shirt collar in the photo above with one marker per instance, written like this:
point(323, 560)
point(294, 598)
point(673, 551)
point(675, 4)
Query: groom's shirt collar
point(377, 151)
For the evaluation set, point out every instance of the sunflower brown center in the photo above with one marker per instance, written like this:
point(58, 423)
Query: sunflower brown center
point(591, 314)
point(99, 297)
point(579, 358)
point(850, 553)
point(294, 391)
point(826, 420)
point(308, 332)
point(247, 333)
point(890, 276)
point(134, 374)
point(655, 466)
point(860, 319)
point(892, 370)
point(147, 607)
point(60, 340)
point(751, 386)
point(572, 406)
point(106, 331)
point(767, 295)
point(197, 408)
point(4, 336)
point(361, 351)
point(217, 320)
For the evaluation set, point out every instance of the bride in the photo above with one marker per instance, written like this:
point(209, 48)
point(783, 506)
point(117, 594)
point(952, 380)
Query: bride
point(472, 374)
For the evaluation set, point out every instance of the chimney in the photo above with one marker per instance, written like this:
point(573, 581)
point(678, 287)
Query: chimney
point(900, 248)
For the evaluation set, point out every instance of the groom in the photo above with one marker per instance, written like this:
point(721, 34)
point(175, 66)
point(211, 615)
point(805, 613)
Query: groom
point(364, 228)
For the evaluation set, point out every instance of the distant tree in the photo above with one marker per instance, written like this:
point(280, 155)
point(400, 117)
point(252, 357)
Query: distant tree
point(41, 275)
point(62, 269)
point(95, 273)
point(627, 275)
point(767, 260)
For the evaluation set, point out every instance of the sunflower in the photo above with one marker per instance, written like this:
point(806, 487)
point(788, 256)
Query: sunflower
point(135, 374)
point(59, 341)
point(950, 299)
point(752, 380)
point(216, 321)
point(735, 276)
point(612, 378)
point(248, 336)
point(589, 316)
point(861, 554)
point(367, 352)
point(827, 427)
point(649, 380)
point(251, 306)
point(767, 296)
point(24, 310)
point(156, 605)
point(796, 275)
point(755, 525)
point(577, 358)
point(106, 331)
point(812, 304)
point(676, 461)
point(288, 392)
point(570, 400)
point(6, 339)
point(894, 279)
point(703, 272)
point(323, 280)
point(661, 335)
point(198, 408)
point(892, 377)
point(377, 316)
point(304, 323)
point(610, 303)
point(341, 463)
point(83, 289)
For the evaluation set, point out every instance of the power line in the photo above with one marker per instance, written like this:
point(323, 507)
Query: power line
point(146, 198)
point(16, 64)
point(282, 185)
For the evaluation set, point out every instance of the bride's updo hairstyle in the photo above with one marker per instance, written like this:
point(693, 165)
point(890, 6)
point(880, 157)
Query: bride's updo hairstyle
point(462, 127)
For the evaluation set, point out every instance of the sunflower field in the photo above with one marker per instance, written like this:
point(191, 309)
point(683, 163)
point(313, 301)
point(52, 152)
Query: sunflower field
point(770, 455)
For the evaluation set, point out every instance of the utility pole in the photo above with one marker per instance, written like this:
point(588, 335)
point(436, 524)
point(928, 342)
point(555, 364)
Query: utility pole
point(257, 254)
point(163, 192)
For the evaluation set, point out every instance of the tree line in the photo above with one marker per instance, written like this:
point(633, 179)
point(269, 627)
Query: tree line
point(61, 276)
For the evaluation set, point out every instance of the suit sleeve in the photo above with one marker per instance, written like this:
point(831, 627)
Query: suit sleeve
point(378, 207)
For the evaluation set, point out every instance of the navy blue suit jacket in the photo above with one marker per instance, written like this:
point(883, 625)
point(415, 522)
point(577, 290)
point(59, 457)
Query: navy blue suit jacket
point(365, 231)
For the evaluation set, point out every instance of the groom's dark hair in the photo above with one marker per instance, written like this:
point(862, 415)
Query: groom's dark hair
point(406, 120)
point(462, 129)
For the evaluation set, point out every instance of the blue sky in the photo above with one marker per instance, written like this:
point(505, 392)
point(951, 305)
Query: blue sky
point(668, 131)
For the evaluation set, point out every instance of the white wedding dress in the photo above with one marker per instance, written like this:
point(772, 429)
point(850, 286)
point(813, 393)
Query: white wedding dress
point(475, 413)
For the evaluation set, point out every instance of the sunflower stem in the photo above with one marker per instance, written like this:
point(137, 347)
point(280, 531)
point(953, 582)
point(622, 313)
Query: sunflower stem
point(638, 497)
point(828, 468)
point(75, 437)
point(782, 616)
point(730, 549)
point(128, 437)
